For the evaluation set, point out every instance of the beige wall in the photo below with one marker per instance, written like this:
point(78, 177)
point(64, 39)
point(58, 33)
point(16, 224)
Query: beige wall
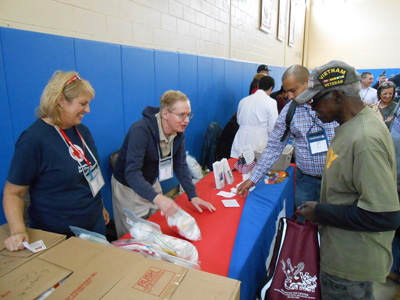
point(361, 32)
point(218, 28)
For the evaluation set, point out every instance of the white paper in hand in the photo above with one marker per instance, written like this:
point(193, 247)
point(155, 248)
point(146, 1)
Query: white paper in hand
point(35, 247)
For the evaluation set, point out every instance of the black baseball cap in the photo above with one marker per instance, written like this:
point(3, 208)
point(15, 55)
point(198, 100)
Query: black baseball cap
point(262, 68)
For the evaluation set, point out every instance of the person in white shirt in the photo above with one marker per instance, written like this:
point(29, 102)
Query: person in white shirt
point(367, 93)
point(256, 117)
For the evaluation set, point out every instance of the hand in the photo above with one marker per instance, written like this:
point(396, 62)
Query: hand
point(196, 201)
point(245, 186)
point(167, 206)
point(106, 216)
point(307, 210)
point(14, 242)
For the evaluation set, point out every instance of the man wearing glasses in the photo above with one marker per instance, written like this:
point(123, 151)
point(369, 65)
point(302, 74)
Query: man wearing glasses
point(153, 149)
point(359, 208)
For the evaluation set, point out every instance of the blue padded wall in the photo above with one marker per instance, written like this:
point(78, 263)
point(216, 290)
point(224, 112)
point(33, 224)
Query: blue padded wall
point(30, 59)
point(6, 132)
point(126, 80)
point(138, 82)
point(100, 64)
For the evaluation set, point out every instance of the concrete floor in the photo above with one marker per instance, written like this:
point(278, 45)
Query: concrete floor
point(386, 291)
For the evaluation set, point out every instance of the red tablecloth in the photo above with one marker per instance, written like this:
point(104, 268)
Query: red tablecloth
point(218, 229)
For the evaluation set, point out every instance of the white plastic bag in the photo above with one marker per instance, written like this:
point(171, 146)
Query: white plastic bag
point(194, 167)
point(185, 225)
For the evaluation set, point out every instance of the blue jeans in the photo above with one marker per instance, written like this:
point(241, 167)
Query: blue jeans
point(396, 255)
point(335, 288)
point(308, 188)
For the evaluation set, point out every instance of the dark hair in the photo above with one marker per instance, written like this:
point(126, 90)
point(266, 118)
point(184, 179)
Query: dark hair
point(266, 83)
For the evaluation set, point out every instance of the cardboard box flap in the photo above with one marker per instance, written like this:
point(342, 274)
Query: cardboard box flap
point(65, 254)
point(151, 279)
point(201, 286)
point(98, 275)
point(8, 263)
point(49, 238)
point(31, 280)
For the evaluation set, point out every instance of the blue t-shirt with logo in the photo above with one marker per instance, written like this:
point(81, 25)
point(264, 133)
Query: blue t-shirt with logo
point(60, 195)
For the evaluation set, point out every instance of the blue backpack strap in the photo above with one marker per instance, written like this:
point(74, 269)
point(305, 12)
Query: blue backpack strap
point(289, 117)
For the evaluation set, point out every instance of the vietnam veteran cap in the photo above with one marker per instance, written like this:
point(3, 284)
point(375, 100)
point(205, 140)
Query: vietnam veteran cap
point(332, 74)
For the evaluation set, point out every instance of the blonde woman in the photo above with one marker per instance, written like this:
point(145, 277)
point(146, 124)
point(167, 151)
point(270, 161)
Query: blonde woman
point(56, 160)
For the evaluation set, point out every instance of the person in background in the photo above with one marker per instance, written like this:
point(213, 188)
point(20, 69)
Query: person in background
point(153, 149)
point(385, 106)
point(382, 78)
point(359, 208)
point(56, 160)
point(311, 138)
point(367, 93)
point(256, 117)
point(254, 83)
point(395, 79)
point(261, 69)
point(281, 98)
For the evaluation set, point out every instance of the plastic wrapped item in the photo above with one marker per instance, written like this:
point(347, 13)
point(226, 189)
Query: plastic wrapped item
point(194, 167)
point(185, 225)
point(147, 232)
point(151, 250)
point(89, 235)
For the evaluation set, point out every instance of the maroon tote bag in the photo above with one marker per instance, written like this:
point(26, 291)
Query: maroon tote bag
point(293, 272)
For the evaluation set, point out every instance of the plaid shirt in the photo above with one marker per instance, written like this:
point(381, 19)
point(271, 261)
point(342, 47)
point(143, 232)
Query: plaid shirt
point(304, 121)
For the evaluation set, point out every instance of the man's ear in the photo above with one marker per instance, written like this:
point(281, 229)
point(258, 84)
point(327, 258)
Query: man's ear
point(338, 96)
point(164, 113)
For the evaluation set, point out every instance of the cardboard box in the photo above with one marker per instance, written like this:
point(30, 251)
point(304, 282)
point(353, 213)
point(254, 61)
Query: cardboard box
point(22, 275)
point(11, 260)
point(107, 272)
point(283, 161)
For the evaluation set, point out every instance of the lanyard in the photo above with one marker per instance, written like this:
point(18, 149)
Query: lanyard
point(76, 151)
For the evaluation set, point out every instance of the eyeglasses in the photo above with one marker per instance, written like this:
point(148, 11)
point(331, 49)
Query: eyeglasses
point(182, 116)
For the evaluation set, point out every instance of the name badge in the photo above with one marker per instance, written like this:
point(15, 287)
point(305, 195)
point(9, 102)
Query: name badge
point(94, 178)
point(317, 142)
point(165, 169)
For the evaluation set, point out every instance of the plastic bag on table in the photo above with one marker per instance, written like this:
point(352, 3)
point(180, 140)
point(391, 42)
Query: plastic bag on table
point(185, 225)
point(144, 230)
point(151, 250)
point(89, 235)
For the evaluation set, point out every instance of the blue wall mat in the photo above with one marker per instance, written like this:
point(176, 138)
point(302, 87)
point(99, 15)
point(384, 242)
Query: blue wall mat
point(223, 113)
point(188, 85)
point(206, 91)
point(100, 64)
point(6, 132)
point(234, 91)
point(29, 61)
point(137, 82)
point(166, 70)
point(249, 70)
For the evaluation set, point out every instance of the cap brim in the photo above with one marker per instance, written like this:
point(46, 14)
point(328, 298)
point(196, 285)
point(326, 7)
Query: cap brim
point(307, 95)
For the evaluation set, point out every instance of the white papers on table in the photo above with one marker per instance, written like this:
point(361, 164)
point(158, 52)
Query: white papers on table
point(230, 203)
point(226, 194)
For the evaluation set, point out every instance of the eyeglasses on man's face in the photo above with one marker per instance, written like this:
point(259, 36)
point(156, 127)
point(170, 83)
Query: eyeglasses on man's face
point(182, 116)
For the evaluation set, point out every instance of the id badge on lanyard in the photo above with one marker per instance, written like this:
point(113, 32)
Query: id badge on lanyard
point(165, 167)
point(91, 172)
point(94, 178)
point(317, 142)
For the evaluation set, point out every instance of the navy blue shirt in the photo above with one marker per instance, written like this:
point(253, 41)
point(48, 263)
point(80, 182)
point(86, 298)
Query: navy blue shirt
point(59, 193)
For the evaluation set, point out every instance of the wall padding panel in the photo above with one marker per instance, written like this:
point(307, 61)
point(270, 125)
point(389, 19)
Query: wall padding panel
point(100, 64)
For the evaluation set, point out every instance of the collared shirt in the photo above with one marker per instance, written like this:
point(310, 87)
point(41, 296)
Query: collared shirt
point(370, 95)
point(304, 121)
point(165, 143)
